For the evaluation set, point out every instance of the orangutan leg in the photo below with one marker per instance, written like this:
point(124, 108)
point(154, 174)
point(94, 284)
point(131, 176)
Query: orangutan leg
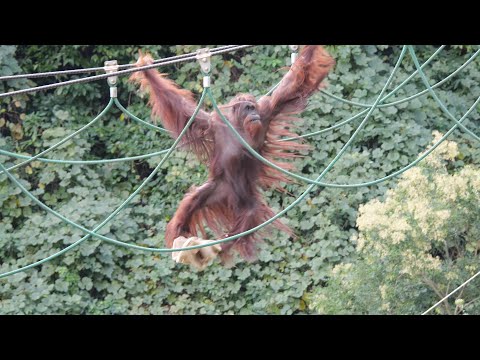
point(192, 202)
point(180, 232)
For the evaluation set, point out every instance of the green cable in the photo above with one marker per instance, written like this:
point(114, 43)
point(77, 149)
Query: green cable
point(137, 119)
point(300, 198)
point(434, 95)
point(305, 193)
point(162, 250)
point(392, 103)
point(82, 162)
point(87, 162)
point(368, 183)
point(4, 152)
point(110, 217)
point(409, 166)
point(349, 102)
point(239, 137)
point(354, 103)
point(104, 111)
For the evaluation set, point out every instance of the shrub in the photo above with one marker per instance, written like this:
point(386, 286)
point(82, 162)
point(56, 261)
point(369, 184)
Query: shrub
point(415, 246)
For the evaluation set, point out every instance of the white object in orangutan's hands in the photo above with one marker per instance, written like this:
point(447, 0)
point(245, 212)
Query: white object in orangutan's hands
point(198, 258)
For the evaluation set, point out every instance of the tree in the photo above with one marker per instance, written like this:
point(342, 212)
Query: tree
point(415, 246)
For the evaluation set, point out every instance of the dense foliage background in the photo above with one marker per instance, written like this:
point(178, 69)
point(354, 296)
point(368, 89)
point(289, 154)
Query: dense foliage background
point(290, 276)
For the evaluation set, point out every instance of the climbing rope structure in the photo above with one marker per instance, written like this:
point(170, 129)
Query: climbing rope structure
point(203, 56)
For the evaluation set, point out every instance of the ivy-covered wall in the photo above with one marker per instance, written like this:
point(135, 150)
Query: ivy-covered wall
point(98, 278)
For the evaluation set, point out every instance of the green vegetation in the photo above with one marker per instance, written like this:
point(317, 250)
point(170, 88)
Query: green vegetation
point(415, 247)
point(290, 276)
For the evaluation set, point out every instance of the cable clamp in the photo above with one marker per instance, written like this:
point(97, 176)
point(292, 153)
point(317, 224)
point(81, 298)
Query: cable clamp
point(294, 56)
point(203, 57)
point(110, 67)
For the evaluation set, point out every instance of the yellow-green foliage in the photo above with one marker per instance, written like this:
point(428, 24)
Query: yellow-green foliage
point(416, 245)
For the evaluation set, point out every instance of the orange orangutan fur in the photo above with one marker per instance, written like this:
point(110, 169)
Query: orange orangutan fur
point(230, 201)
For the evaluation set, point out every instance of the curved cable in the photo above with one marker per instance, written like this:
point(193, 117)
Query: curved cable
point(397, 102)
point(82, 129)
point(259, 157)
point(137, 119)
point(300, 198)
point(434, 95)
point(160, 250)
point(110, 217)
point(80, 162)
point(368, 183)
point(151, 126)
point(354, 103)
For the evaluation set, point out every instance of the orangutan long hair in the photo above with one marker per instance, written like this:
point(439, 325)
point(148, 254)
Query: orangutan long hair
point(230, 202)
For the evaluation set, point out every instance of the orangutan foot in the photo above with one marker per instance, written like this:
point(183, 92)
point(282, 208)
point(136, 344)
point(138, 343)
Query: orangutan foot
point(198, 258)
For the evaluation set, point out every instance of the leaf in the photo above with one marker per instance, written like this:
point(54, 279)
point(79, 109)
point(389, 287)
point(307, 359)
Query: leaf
point(17, 131)
point(54, 132)
point(61, 114)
